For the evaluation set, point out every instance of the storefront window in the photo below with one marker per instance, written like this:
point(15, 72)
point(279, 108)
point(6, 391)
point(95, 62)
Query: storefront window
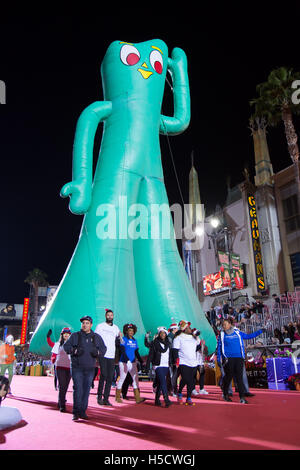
point(295, 263)
point(291, 213)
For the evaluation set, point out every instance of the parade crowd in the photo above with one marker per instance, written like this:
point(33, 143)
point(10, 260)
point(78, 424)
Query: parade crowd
point(176, 359)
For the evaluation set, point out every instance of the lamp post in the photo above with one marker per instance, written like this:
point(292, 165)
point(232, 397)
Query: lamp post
point(227, 251)
point(223, 230)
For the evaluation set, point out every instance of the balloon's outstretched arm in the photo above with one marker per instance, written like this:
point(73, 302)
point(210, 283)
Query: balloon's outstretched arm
point(80, 188)
point(177, 66)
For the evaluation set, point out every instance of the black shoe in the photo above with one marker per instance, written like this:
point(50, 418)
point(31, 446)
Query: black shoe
point(157, 401)
point(75, 417)
point(62, 409)
point(107, 403)
point(83, 416)
point(167, 401)
point(249, 394)
point(226, 398)
point(100, 401)
point(242, 400)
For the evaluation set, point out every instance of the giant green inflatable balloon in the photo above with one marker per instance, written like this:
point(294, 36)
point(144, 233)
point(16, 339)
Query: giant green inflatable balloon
point(140, 276)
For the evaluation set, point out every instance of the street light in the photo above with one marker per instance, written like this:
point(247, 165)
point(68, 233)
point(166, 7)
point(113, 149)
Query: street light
point(215, 223)
point(199, 230)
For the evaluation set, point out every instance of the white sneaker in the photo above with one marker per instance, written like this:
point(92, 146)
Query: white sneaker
point(195, 393)
point(203, 392)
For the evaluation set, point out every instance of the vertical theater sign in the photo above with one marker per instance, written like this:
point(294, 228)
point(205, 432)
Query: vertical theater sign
point(259, 271)
point(24, 321)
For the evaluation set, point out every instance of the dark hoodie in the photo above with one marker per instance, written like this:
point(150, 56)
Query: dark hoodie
point(89, 346)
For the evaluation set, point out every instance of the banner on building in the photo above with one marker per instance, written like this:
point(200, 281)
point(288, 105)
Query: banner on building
point(233, 277)
point(187, 258)
point(224, 264)
point(213, 284)
point(24, 321)
point(257, 254)
point(237, 272)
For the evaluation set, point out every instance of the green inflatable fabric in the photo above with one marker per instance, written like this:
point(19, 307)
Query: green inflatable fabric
point(140, 278)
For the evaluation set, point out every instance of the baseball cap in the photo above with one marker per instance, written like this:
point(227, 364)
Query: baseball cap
point(65, 330)
point(86, 317)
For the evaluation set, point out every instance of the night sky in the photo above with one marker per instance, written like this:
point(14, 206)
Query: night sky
point(51, 67)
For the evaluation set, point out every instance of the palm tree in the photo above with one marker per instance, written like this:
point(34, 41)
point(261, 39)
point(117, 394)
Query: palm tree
point(274, 104)
point(36, 278)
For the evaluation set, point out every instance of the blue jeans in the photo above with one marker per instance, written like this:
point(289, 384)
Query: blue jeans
point(82, 381)
point(161, 380)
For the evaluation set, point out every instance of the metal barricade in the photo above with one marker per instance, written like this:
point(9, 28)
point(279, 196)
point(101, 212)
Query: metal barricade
point(270, 319)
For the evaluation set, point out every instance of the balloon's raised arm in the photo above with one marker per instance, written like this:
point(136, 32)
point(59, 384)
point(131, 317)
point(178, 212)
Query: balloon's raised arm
point(80, 188)
point(177, 66)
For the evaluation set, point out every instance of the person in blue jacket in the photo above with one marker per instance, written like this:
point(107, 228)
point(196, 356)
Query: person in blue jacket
point(231, 356)
point(129, 354)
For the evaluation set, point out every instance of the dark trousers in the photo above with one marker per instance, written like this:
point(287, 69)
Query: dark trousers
point(188, 378)
point(234, 369)
point(107, 368)
point(161, 380)
point(82, 381)
point(174, 377)
point(126, 383)
point(201, 370)
point(63, 378)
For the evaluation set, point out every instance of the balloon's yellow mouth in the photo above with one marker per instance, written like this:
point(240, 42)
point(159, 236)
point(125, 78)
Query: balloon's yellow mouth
point(145, 73)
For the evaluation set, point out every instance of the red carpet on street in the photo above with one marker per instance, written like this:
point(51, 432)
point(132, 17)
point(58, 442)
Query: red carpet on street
point(271, 421)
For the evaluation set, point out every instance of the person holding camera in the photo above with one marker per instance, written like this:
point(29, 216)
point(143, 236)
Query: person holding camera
point(231, 356)
point(8, 416)
point(84, 347)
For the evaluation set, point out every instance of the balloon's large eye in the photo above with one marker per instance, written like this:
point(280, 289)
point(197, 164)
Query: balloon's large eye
point(129, 55)
point(156, 61)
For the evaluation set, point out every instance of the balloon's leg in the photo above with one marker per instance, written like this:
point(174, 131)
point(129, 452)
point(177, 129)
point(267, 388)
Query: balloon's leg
point(164, 290)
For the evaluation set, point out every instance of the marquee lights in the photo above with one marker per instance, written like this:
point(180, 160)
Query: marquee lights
point(24, 321)
point(259, 271)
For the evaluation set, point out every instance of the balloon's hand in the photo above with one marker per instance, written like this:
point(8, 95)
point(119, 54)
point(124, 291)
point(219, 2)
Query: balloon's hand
point(177, 61)
point(80, 193)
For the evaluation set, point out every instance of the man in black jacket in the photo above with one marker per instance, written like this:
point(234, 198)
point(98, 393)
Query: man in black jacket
point(85, 347)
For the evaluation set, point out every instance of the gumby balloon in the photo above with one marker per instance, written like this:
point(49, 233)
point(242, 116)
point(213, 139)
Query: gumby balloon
point(121, 262)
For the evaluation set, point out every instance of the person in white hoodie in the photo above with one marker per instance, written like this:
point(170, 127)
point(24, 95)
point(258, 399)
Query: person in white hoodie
point(184, 347)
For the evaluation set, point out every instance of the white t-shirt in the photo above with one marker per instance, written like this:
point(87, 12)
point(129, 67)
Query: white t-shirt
point(164, 358)
point(187, 349)
point(62, 359)
point(200, 355)
point(108, 333)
